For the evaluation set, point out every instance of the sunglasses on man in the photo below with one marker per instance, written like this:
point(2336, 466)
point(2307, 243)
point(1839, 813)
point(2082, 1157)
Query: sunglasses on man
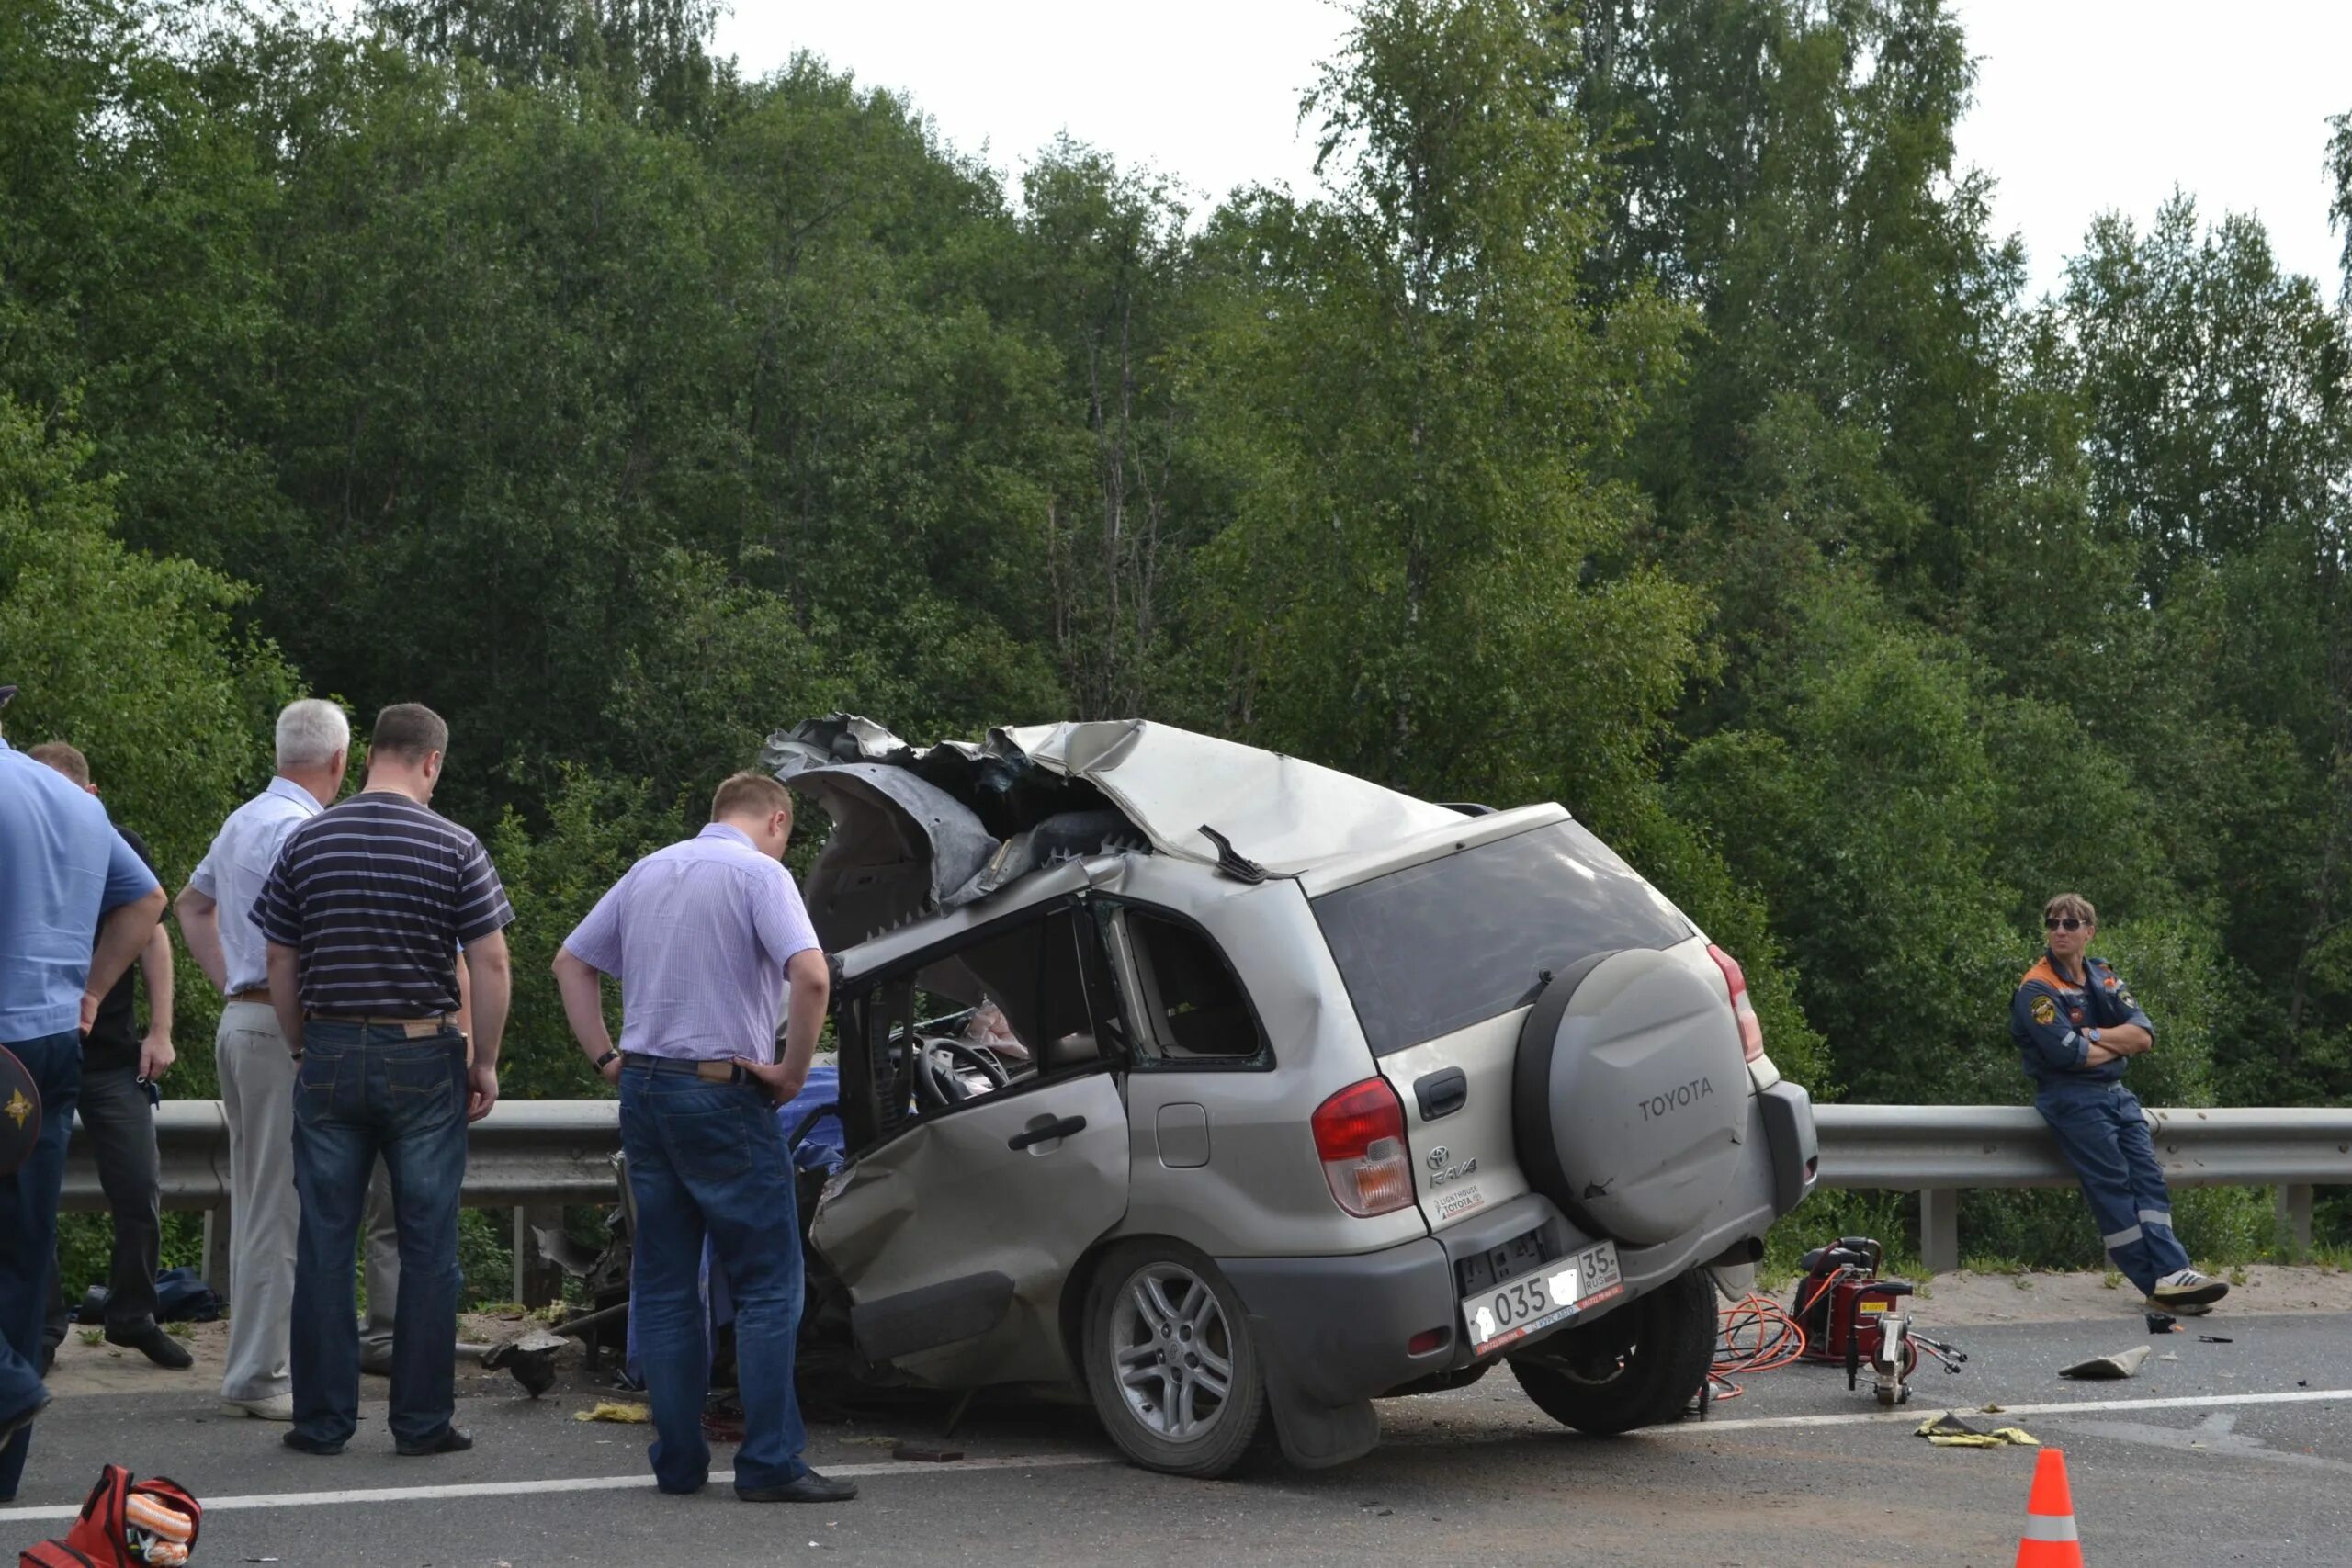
point(2063, 923)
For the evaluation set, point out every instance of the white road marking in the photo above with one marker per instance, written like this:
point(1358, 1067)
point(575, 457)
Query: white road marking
point(1921, 1409)
point(574, 1484)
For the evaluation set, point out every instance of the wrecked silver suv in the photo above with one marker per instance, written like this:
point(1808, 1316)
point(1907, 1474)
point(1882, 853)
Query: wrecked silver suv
point(1242, 1092)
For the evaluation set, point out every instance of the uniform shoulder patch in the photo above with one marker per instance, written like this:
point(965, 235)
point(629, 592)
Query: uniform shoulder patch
point(2044, 1010)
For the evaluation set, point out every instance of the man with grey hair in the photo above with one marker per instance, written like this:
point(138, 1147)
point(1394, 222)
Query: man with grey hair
point(257, 1073)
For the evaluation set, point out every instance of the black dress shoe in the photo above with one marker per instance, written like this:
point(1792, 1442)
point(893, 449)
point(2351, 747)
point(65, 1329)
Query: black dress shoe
point(12, 1425)
point(808, 1487)
point(452, 1439)
point(150, 1340)
point(318, 1446)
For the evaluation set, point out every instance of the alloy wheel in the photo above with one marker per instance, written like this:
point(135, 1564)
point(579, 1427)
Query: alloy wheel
point(1172, 1351)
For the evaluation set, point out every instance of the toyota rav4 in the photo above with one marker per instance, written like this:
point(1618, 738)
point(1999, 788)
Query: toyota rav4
point(1242, 1093)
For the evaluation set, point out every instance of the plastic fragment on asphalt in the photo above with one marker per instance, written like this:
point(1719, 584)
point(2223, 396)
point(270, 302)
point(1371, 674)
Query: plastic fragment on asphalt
point(614, 1410)
point(926, 1453)
point(1949, 1431)
point(2169, 1356)
point(2122, 1364)
point(2215, 1339)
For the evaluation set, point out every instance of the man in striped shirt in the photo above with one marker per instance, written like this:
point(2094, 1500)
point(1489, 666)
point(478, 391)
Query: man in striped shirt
point(364, 913)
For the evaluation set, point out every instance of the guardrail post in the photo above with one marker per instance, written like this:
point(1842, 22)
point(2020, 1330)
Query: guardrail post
point(1939, 1229)
point(2295, 1215)
point(215, 1269)
point(538, 1281)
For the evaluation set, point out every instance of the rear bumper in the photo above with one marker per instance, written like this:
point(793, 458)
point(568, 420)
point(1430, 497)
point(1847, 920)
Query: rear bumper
point(1335, 1332)
point(1785, 1110)
point(1338, 1327)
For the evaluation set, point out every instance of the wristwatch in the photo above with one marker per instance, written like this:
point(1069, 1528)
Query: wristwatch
point(2091, 1034)
point(608, 1058)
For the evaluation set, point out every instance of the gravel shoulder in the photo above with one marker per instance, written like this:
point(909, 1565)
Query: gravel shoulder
point(1964, 1297)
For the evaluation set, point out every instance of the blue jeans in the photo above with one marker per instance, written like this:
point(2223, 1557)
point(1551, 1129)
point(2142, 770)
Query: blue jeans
point(28, 1237)
point(2104, 1136)
point(707, 1158)
point(360, 1093)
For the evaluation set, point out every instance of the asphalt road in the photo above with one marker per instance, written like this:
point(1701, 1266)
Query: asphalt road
point(2238, 1453)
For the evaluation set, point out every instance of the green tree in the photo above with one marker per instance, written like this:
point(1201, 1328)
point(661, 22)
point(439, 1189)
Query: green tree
point(1425, 581)
point(138, 662)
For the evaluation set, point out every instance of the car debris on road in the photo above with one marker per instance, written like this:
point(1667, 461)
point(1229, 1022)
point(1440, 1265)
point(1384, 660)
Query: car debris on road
point(2122, 1364)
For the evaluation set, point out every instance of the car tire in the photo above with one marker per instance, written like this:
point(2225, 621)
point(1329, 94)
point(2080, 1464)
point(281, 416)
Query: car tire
point(1659, 1346)
point(1174, 1412)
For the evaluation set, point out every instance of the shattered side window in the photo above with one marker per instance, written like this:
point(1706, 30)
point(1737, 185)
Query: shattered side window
point(1036, 977)
point(1027, 1001)
point(1190, 1002)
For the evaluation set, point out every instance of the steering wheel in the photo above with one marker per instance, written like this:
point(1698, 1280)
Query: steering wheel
point(940, 1066)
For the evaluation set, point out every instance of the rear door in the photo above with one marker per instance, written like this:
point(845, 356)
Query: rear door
point(955, 1231)
point(1443, 959)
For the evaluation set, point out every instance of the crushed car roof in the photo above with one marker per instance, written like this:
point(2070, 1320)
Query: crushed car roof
point(921, 829)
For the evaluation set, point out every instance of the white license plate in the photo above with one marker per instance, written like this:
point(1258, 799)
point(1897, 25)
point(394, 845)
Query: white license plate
point(1549, 1293)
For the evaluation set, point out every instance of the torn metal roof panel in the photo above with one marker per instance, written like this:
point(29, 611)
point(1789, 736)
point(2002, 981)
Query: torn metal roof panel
point(918, 830)
point(1283, 813)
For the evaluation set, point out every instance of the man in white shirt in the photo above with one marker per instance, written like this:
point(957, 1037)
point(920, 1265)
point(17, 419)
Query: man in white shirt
point(257, 1070)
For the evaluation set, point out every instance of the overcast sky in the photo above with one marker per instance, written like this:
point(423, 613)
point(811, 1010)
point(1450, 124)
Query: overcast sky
point(2082, 105)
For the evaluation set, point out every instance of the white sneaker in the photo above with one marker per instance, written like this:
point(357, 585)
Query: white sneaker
point(276, 1407)
point(2187, 1288)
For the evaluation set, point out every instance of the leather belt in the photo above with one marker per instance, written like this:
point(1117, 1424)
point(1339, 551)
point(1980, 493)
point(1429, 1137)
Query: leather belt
point(254, 994)
point(708, 1070)
point(414, 1028)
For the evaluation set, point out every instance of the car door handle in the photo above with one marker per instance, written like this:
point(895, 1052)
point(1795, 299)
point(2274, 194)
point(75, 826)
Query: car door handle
point(1442, 1093)
point(1067, 1126)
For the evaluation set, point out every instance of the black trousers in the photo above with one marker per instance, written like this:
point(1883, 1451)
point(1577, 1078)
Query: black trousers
point(120, 1126)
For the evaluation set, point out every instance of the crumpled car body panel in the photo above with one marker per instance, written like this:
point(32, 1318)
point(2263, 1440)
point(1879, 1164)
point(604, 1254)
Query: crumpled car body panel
point(921, 830)
point(901, 847)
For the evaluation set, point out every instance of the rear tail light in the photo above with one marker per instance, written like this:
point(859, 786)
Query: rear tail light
point(1743, 1011)
point(1360, 1136)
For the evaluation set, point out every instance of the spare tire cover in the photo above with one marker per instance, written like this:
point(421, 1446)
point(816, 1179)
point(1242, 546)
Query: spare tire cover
point(1630, 1100)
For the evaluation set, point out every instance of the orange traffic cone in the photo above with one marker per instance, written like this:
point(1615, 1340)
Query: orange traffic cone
point(2049, 1540)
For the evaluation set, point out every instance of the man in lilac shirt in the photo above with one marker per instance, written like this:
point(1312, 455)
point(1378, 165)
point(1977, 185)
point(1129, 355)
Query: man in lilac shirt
point(706, 937)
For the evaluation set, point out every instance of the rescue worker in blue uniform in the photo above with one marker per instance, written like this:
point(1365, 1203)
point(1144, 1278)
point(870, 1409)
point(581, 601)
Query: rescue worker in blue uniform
point(2077, 1027)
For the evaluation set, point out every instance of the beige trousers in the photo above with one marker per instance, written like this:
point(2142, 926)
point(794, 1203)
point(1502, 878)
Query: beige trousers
point(258, 1096)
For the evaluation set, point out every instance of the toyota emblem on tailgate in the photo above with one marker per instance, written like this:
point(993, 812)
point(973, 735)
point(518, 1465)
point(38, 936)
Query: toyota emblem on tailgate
point(1438, 1155)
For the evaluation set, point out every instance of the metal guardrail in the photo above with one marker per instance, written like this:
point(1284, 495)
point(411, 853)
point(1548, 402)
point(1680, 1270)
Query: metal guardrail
point(525, 1151)
point(1939, 1151)
point(539, 1152)
point(525, 1155)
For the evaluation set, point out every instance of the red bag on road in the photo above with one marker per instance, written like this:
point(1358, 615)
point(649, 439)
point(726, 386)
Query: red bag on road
point(159, 1515)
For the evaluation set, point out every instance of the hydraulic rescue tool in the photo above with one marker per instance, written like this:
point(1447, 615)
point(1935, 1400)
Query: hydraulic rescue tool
point(1851, 1316)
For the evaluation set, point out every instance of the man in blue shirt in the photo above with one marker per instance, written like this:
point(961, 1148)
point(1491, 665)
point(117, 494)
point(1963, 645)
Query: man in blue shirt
point(63, 867)
point(708, 938)
point(2076, 1026)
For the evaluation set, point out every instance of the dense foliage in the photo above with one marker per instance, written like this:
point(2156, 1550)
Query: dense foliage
point(1644, 414)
